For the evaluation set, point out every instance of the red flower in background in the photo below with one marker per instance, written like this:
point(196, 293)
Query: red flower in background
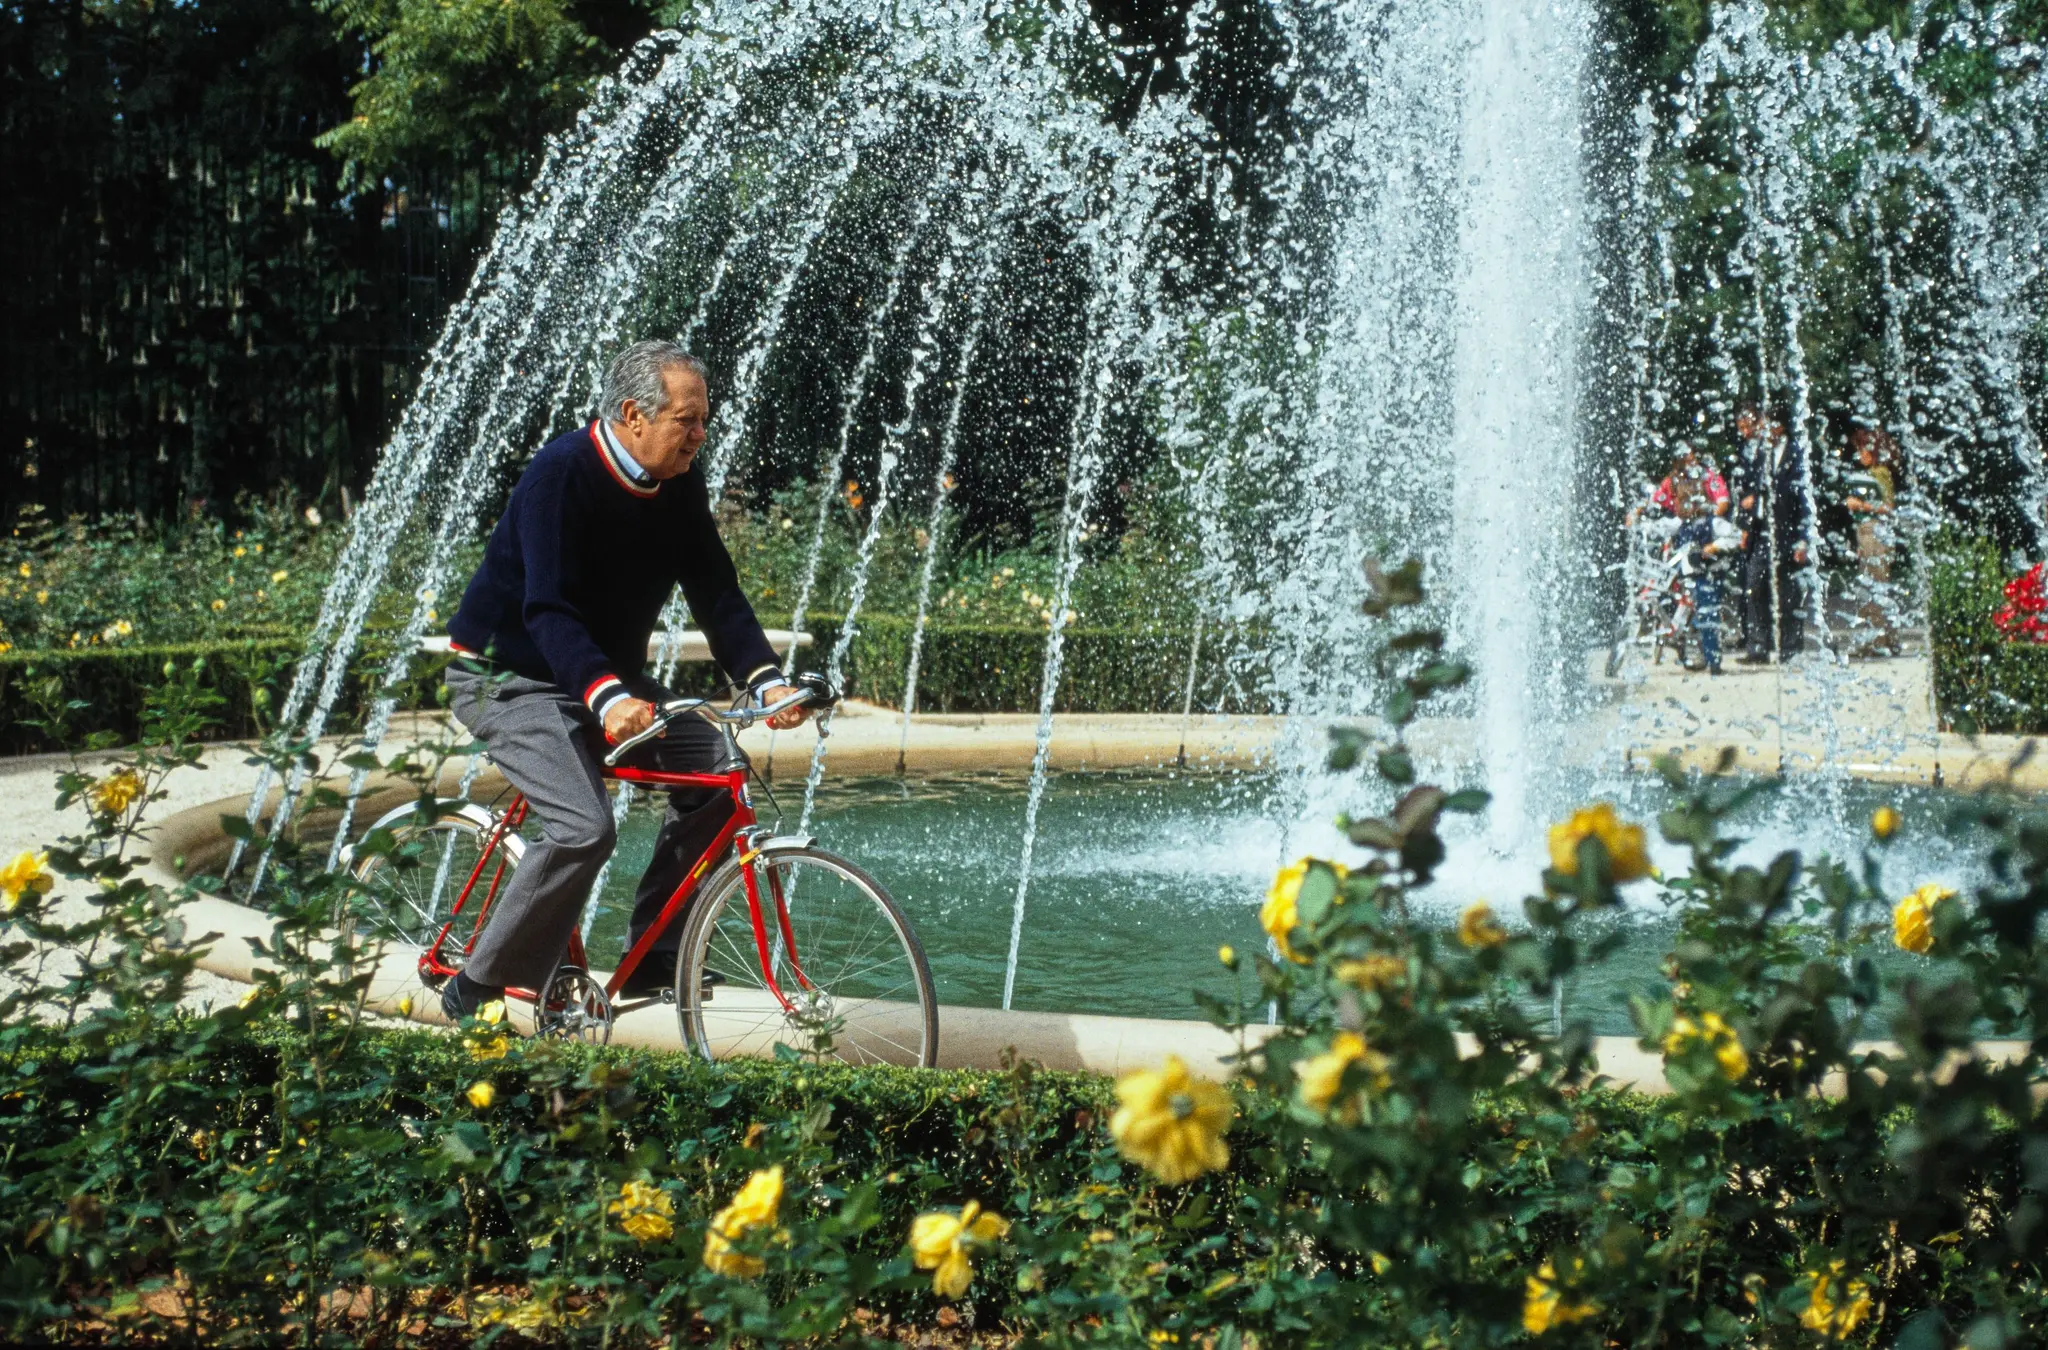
point(2024, 616)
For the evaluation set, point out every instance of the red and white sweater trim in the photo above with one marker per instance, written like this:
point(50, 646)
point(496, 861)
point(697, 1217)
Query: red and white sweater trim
point(603, 693)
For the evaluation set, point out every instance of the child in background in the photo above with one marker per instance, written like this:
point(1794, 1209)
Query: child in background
point(1706, 543)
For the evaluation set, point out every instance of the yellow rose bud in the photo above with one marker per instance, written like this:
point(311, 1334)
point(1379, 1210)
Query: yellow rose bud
point(940, 1243)
point(1835, 1307)
point(27, 875)
point(1227, 954)
point(481, 1095)
point(1913, 918)
point(754, 1207)
point(644, 1211)
point(1281, 913)
point(1545, 1306)
point(1884, 823)
point(1628, 857)
point(1477, 928)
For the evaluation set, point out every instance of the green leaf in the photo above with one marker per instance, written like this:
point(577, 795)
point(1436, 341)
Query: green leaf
point(1374, 833)
point(1468, 801)
point(1440, 675)
point(1396, 766)
point(1347, 746)
point(1318, 893)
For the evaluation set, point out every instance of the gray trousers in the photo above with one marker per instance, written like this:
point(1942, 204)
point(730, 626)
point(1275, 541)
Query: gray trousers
point(550, 747)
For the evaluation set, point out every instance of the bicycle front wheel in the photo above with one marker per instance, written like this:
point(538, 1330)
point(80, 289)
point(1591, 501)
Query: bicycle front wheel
point(851, 976)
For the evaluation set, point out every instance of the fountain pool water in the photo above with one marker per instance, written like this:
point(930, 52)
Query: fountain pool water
point(1140, 877)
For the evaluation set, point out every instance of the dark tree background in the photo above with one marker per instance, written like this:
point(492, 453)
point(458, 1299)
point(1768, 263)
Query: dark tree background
point(234, 225)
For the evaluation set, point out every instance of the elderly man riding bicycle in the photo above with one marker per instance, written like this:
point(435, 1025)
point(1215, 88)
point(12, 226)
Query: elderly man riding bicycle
point(551, 652)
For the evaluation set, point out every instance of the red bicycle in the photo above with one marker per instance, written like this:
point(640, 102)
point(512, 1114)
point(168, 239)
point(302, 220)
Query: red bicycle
point(783, 943)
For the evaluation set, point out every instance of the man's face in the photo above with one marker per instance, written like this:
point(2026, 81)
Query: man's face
point(667, 443)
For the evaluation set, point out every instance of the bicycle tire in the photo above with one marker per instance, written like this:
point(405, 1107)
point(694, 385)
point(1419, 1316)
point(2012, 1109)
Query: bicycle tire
point(885, 1009)
point(400, 913)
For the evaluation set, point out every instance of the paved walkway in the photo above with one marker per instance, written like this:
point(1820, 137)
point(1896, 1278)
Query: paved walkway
point(1875, 719)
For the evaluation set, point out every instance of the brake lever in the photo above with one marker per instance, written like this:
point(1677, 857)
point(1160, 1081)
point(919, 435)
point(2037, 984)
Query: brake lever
point(633, 742)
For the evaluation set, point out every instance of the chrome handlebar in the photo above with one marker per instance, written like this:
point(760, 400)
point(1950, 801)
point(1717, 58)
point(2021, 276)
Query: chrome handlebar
point(810, 689)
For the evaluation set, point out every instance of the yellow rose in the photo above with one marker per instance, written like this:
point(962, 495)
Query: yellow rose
point(219, 605)
point(1835, 1310)
point(1884, 822)
point(1373, 973)
point(1712, 1031)
point(1281, 912)
point(481, 1095)
point(492, 1309)
point(1543, 1303)
point(26, 570)
point(1913, 918)
point(114, 794)
point(1171, 1123)
point(1227, 954)
point(490, 1047)
point(278, 576)
point(643, 1211)
point(754, 1207)
point(1322, 1076)
point(940, 1243)
point(1628, 857)
point(28, 874)
point(405, 1006)
point(1478, 928)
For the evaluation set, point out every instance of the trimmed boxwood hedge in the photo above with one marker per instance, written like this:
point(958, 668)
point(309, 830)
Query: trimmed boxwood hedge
point(112, 684)
point(991, 669)
point(964, 669)
point(1983, 681)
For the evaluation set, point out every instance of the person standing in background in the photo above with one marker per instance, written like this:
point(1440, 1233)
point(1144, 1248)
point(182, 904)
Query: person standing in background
point(1873, 494)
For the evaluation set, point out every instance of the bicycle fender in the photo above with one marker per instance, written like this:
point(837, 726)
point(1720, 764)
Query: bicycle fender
point(479, 816)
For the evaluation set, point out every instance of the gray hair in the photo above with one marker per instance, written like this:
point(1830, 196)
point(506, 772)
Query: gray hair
point(635, 374)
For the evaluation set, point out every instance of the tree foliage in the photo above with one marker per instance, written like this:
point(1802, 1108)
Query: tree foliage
point(445, 77)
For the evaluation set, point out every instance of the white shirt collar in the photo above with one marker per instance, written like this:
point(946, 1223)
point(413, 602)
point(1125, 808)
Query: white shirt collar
point(622, 461)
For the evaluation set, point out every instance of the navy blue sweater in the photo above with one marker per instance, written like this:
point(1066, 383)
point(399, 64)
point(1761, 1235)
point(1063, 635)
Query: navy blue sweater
point(579, 566)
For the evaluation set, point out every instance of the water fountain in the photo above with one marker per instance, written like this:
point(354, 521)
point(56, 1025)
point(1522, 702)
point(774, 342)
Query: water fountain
point(1398, 362)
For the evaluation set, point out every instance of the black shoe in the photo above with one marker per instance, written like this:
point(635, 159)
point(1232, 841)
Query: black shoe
point(652, 978)
point(463, 997)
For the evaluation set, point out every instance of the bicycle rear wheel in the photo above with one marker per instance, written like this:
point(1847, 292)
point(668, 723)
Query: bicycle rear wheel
point(410, 890)
point(854, 975)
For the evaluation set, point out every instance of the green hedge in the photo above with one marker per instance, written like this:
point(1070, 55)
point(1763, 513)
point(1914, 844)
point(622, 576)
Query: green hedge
point(102, 690)
point(996, 669)
point(1982, 680)
point(964, 669)
point(394, 1132)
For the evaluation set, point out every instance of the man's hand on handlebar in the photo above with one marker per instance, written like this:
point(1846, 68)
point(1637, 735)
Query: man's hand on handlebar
point(627, 718)
point(788, 717)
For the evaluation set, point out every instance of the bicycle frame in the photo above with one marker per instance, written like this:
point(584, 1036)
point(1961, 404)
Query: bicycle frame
point(743, 825)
